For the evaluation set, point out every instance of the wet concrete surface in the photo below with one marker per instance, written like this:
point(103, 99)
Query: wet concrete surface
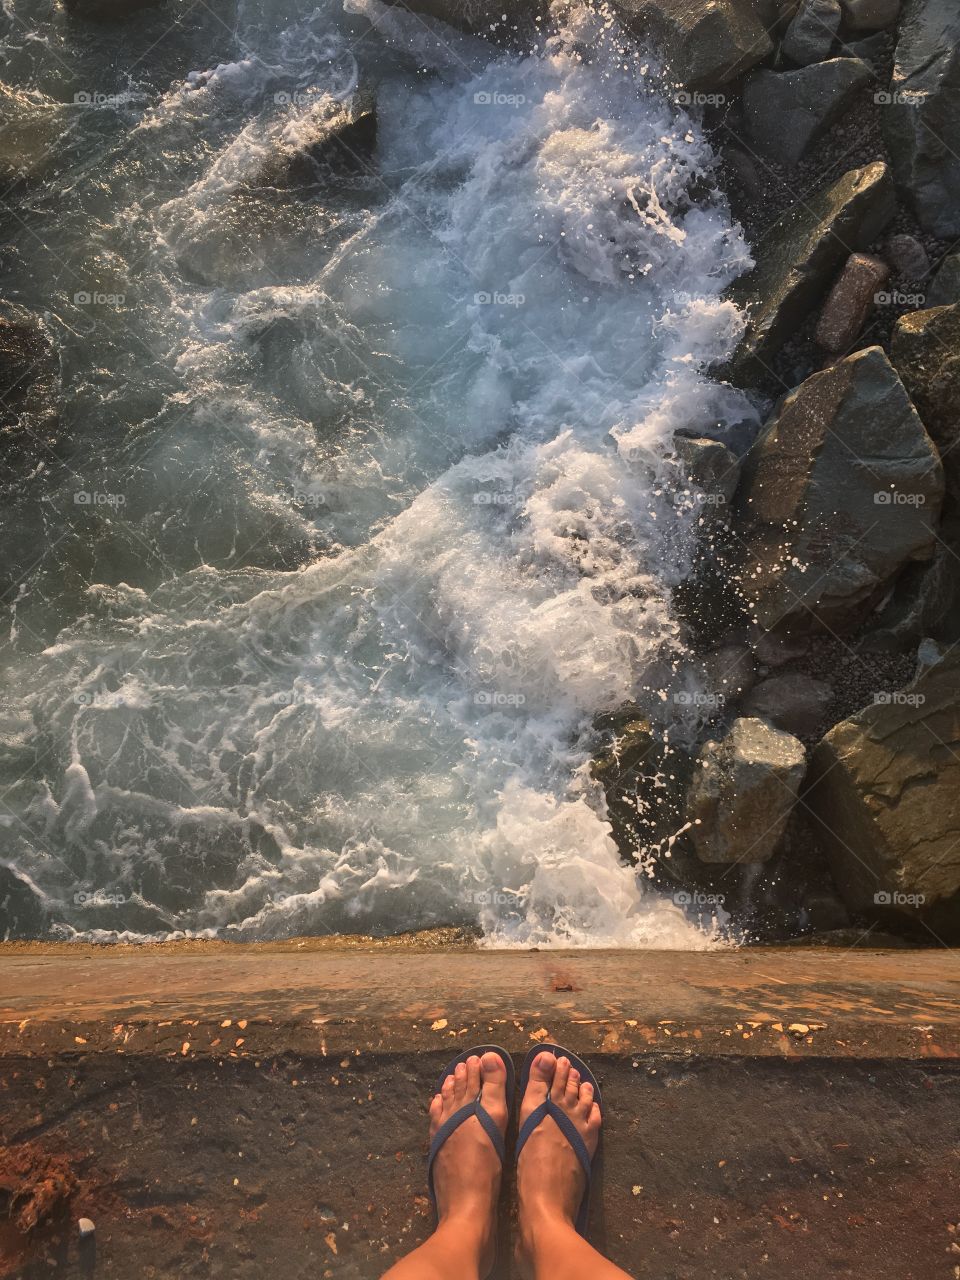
point(290, 1143)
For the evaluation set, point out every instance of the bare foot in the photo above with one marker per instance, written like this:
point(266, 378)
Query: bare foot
point(550, 1181)
point(466, 1172)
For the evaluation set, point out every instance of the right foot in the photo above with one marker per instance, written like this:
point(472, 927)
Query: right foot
point(550, 1181)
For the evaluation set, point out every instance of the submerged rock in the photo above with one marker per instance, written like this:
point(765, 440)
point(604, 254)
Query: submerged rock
point(31, 126)
point(22, 913)
point(886, 790)
point(850, 301)
point(786, 111)
point(742, 792)
point(797, 257)
point(338, 144)
point(922, 117)
point(842, 489)
point(712, 469)
point(812, 32)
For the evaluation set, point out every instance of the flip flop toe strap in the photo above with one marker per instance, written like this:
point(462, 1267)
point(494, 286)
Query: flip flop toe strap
point(566, 1127)
point(451, 1125)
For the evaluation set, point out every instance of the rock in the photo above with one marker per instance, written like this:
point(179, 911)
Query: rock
point(729, 672)
point(842, 489)
point(793, 702)
point(343, 142)
point(785, 111)
point(797, 258)
point(870, 15)
point(29, 383)
point(31, 125)
point(886, 790)
point(742, 792)
point(908, 257)
point(874, 50)
point(925, 350)
point(812, 32)
point(711, 468)
point(850, 301)
point(925, 603)
point(107, 10)
point(706, 43)
point(921, 120)
point(22, 913)
point(946, 283)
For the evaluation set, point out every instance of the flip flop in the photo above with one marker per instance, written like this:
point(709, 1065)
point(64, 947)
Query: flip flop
point(569, 1130)
point(474, 1108)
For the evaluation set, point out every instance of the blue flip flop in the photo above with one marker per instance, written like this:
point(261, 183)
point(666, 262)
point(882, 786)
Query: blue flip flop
point(472, 1108)
point(549, 1108)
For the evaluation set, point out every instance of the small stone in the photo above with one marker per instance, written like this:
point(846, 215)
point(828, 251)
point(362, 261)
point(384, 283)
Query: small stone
point(851, 300)
point(812, 32)
point(870, 15)
point(908, 257)
point(946, 284)
point(86, 1227)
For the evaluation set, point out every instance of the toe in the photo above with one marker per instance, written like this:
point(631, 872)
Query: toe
point(560, 1076)
point(542, 1070)
point(573, 1088)
point(436, 1112)
point(459, 1082)
point(447, 1090)
point(586, 1098)
point(595, 1119)
point(473, 1076)
point(494, 1088)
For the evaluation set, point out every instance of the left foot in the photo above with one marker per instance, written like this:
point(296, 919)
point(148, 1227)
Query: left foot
point(466, 1172)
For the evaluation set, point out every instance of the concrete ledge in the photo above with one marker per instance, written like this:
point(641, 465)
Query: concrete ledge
point(783, 1003)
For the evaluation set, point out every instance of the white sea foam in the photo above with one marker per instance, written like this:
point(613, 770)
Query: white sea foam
point(471, 400)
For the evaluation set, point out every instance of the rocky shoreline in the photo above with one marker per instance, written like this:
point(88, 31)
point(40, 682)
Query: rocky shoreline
point(820, 796)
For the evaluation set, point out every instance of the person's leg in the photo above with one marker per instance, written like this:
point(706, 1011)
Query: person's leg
point(550, 1182)
point(466, 1177)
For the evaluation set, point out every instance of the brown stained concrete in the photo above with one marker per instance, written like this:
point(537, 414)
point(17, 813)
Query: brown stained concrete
point(231, 1111)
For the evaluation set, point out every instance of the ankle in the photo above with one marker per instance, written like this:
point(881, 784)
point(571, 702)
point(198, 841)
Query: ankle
point(541, 1221)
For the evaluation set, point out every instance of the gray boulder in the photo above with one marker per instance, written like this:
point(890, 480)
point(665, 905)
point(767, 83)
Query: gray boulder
point(711, 468)
point(925, 603)
point(886, 791)
point(742, 792)
point(812, 32)
point(946, 283)
point(841, 490)
point(793, 702)
point(922, 118)
point(925, 349)
point(784, 112)
point(798, 257)
point(908, 257)
point(870, 15)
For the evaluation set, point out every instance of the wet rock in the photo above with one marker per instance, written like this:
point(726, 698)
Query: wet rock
point(875, 50)
point(925, 602)
point(712, 469)
point(925, 350)
point(946, 283)
point(729, 672)
point(742, 792)
point(29, 384)
point(842, 489)
point(707, 43)
point(784, 112)
point(797, 258)
point(793, 702)
point(108, 10)
point(886, 790)
point(921, 121)
point(870, 15)
point(908, 257)
point(812, 32)
point(850, 301)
